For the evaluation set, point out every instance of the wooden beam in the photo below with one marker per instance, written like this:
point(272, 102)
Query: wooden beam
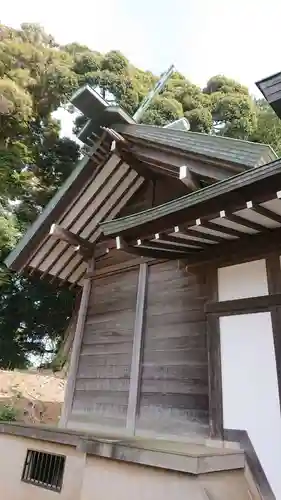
point(247, 247)
point(183, 242)
point(135, 376)
point(184, 231)
point(242, 306)
point(148, 250)
point(140, 167)
point(81, 245)
point(238, 219)
point(200, 234)
point(161, 246)
point(121, 267)
point(265, 212)
point(222, 229)
point(189, 178)
point(208, 168)
point(76, 348)
point(164, 242)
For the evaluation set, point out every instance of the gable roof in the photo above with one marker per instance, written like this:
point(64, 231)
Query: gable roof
point(235, 151)
point(102, 184)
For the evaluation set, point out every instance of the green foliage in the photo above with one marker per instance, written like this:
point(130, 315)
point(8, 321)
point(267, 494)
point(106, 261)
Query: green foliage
point(8, 413)
point(268, 129)
point(163, 110)
point(36, 77)
point(221, 83)
point(200, 119)
point(115, 62)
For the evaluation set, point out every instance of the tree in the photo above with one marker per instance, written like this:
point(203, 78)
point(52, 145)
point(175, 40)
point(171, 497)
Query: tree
point(36, 77)
point(268, 128)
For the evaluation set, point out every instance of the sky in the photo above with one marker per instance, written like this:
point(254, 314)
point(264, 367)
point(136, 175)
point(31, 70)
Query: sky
point(202, 38)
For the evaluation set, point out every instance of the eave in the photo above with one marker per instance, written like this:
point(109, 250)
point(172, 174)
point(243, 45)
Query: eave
point(242, 211)
point(97, 189)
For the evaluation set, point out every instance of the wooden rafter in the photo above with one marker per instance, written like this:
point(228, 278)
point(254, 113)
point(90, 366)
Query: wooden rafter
point(200, 234)
point(111, 208)
point(248, 246)
point(238, 219)
point(265, 212)
point(183, 242)
point(182, 230)
point(221, 229)
point(167, 244)
point(149, 248)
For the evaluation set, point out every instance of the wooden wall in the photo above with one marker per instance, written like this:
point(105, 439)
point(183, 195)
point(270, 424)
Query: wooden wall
point(154, 192)
point(174, 381)
point(102, 385)
point(173, 374)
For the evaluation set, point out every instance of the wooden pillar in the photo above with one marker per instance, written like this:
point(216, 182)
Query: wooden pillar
point(76, 348)
point(273, 272)
point(134, 389)
point(214, 361)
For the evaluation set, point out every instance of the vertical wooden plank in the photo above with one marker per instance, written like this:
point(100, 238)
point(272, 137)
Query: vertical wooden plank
point(76, 348)
point(214, 360)
point(137, 350)
point(273, 271)
point(215, 379)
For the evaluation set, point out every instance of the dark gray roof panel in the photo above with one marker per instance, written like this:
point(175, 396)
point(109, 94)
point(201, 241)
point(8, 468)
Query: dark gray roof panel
point(88, 101)
point(270, 87)
point(249, 154)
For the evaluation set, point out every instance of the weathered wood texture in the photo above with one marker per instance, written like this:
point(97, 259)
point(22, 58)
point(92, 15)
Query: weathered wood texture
point(135, 376)
point(102, 385)
point(154, 192)
point(76, 348)
point(174, 384)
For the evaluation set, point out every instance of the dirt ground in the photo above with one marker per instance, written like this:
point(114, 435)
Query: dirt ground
point(36, 396)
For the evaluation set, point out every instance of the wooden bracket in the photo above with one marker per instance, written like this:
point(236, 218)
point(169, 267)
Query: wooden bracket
point(82, 246)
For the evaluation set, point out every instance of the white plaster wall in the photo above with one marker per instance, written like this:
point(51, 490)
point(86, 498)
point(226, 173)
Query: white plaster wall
point(109, 479)
point(242, 280)
point(250, 390)
point(12, 458)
